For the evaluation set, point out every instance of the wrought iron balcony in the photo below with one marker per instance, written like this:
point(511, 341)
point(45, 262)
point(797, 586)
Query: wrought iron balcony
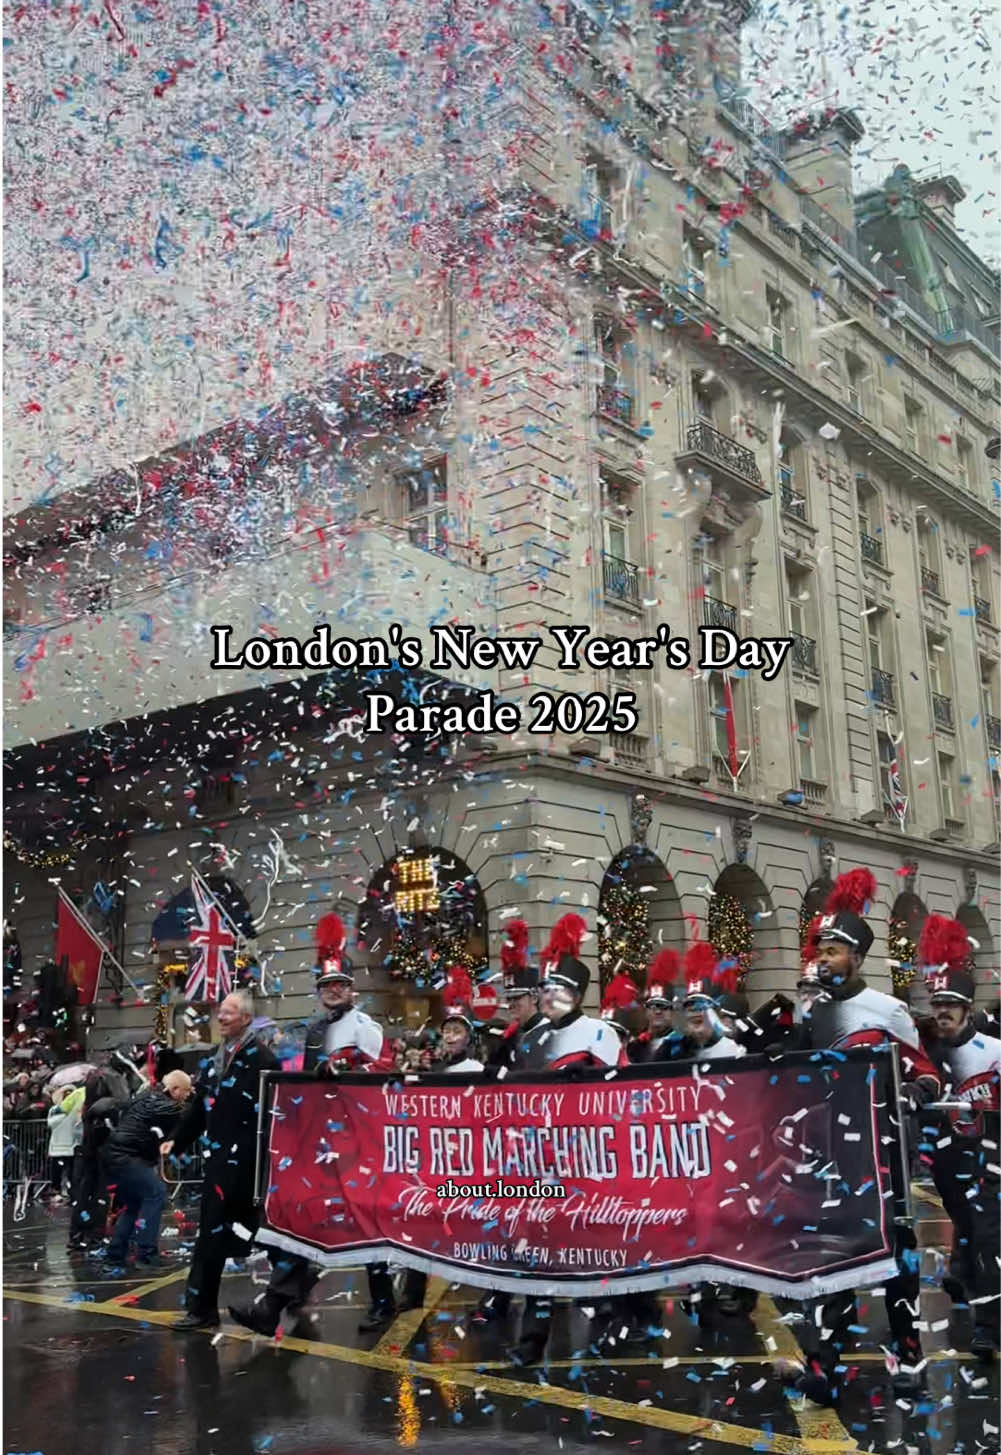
point(702, 439)
point(615, 403)
point(622, 579)
point(882, 688)
point(792, 504)
point(941, 708)
point(930, 581)
point(982, 608)
point(719, 613)
point(872, 549)
point(804, 653)
point(993, 730)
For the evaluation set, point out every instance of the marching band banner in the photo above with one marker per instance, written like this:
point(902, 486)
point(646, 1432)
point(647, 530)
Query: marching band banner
point(781, 1176)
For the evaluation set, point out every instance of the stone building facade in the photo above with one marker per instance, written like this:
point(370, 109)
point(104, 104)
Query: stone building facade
point(688, 394)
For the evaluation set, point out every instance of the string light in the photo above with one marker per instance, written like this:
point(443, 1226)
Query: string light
point(729, 929)
point(902, 955)
point(624, 943)
point(37, 859)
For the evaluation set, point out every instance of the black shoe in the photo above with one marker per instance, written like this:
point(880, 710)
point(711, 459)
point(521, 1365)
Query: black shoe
point(528, 1350)
point(256, 1318)
point(191, 1321)
point(379, 1316)
point(908, 1381)
point(984, 1345)
point(954, 1288)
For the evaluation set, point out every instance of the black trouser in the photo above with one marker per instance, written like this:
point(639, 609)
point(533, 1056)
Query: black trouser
point(971, 1199)
point(90, 1202)
point(215, 1242)
point(380, 1283)
point(827, 1333)
point(292, 1280)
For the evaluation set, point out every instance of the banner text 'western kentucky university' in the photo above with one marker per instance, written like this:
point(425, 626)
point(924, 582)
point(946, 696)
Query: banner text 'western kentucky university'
point(781, 1176)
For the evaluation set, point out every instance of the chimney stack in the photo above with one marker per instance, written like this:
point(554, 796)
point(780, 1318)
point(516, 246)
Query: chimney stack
point(819, 159)
point(941, 195)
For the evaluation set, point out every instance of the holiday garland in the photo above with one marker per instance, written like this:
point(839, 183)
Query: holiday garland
point(624, 943)
point(902, 954)
point(729, 929)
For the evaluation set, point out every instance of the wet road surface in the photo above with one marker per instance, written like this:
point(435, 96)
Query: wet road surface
point(92, 1369)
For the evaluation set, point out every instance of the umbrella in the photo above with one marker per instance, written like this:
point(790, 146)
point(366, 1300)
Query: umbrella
point(73, 1075)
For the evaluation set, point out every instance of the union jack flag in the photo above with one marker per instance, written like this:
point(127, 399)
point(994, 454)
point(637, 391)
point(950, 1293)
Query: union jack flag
point(210, 977)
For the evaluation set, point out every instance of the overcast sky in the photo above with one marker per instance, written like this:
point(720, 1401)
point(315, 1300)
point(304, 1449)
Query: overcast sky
point(921, 76)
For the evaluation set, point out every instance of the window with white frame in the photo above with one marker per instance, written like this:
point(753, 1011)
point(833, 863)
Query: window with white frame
point(720, 714)
point(929, 556)
point(913, 425)
point(778, 322)
point(857, 376)
point(964, 462)
point(792, 490)
point(980, 579)
point(600, 181)
point(870, 521)
point(807, 747)
point(890, 779)
point(422, 505)
point(695, 252)
point(947, 786)
point(616, 386)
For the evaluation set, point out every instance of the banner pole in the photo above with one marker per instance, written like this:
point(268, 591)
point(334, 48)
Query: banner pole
point(904, 1192)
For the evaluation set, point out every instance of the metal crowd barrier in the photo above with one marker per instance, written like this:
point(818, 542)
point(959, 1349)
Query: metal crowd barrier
point(25, 1153)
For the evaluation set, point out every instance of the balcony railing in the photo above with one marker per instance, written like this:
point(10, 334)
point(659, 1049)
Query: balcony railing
point(615, 403)
point(813, 792)
point(702, 439)
point(622, 579)
point(719, 613)
point(792, 504)
point(993, 730)
point(751, 120)
point(941, 708)
point(882, 688)
point(930, 581)
point(629, 748)
point(982, 608)
point(872, 549)
point(804, 653)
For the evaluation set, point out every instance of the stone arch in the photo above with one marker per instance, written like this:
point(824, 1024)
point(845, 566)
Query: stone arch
point(739, 890)
point(985, 964)
point(383, 931)
point(638, 873)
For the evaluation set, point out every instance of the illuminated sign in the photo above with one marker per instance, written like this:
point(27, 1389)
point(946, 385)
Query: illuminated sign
point(416, 889)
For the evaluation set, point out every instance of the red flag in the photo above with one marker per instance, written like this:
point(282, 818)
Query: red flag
point(731, 729)
point(83, 951)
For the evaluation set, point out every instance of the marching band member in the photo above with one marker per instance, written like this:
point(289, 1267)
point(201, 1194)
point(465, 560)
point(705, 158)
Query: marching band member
point(849, 1013)
point(662, 976)
point(522, 1046)
point(965, 1158)
point(710, 990)
point(341, 1038)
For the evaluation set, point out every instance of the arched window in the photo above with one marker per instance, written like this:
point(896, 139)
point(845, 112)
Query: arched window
point(423, 914)
point(639, 913)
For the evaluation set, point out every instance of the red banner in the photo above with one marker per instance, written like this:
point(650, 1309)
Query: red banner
point(780, 1177)
point(83, 951)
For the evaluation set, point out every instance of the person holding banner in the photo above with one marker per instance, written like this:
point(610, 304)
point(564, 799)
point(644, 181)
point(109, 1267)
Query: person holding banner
point(458, 1030)
point(965, 1158)
point(342, 1038)
point(846, 1014)
point(573, 1040)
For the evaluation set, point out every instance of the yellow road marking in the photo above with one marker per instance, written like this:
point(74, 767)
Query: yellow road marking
point(153, 1285)
point(820, 1428)
point(403, 1328)
point(653, 1416)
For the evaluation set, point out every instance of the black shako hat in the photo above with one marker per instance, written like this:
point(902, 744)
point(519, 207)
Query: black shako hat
point(951, 986)
point(561, 965)
point(842, 919)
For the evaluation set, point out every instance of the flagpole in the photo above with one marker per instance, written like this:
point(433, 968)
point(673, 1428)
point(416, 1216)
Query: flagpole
point(86, 925)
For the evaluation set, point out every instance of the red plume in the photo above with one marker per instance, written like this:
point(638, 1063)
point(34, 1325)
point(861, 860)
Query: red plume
point(565, 939)
point(664, 968)
point(943, 942)
point(700, 961)
point(514, 951)
point(811, 944)
point(852, 891)
point(621, 992)
point(458, 991)
point(331, 937)
point(725, 977)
